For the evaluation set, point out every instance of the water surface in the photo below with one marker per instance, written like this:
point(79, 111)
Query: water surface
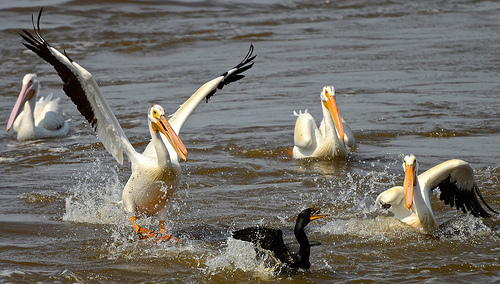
point(417, 78)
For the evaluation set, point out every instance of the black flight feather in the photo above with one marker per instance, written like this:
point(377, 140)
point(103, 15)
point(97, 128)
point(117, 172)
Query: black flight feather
point(72, 87)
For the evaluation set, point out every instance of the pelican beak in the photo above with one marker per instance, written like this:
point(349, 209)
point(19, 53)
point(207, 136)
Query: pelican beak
point(410, 181)
point(176, 142)
point(314, 215)
point(331, 105)
point(25, 95)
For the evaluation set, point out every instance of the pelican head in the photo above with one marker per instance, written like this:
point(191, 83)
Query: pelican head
point(410, 166)
point(29, 89)
point(328, 99)
point(159, 122)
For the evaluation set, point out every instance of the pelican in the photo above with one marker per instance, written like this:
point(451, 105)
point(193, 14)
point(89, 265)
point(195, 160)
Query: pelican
point(38, 119)
point(411, 203)
point(334, 136)
point(155, 172)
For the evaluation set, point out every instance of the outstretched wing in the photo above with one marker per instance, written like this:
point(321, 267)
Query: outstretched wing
point(208, 90)
point(82, 89)
point(270, 239)
point(455, 179)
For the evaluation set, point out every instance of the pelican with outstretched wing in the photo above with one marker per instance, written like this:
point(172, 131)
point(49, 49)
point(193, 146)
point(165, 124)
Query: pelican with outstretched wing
point(155, 172)
point(334, 136)
point(33, 119)
point(411, 203)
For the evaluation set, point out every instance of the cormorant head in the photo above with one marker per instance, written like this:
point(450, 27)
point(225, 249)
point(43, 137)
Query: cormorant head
point(307, 215)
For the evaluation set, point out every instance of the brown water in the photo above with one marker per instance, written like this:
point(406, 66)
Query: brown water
point(412, 77)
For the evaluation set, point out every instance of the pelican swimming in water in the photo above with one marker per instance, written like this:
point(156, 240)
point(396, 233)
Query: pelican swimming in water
point(155, 172)
point(411, 203)
point(33, 119)
point(334, 136)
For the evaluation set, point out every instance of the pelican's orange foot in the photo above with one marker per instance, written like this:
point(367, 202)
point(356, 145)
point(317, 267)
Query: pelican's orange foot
point(144, 233)
point(165, 238)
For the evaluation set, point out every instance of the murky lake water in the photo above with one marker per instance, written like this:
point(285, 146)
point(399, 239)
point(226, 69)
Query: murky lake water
point(411, 77)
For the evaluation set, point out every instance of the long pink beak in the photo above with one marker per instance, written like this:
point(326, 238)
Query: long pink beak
point(24, 96)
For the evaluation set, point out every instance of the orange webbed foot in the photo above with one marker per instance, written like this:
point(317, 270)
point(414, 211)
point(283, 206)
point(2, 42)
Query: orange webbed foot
point(164, 237)
point(144, 233)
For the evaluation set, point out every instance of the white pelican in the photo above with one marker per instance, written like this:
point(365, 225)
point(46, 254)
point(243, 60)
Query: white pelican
point(334, 136)
point(411, 203)
point(155, 172)
point(38, 119)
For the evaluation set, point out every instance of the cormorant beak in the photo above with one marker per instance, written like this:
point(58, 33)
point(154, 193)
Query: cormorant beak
point(409, 182)
point(313, 215)
point(331, 105)
point(25, 95)
point(176, 142)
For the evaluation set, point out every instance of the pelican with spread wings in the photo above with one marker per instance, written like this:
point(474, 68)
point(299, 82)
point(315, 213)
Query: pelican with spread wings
point(156, 171)
point(411, 203)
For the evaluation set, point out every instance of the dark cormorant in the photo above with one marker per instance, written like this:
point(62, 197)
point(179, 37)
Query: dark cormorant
point(272, 239)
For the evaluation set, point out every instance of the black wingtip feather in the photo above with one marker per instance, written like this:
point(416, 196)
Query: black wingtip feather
point(476, 189)
point(67, 56)
point(241, 67)
point(72, 87)
point(464, 200)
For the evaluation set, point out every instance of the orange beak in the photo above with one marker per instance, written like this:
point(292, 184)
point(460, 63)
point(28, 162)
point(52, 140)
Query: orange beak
point(410, 181)
point(331, 105)
point(313, 215)
point(176, 142)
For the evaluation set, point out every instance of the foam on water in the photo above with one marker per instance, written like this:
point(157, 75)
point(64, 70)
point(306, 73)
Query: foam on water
point(240, 256)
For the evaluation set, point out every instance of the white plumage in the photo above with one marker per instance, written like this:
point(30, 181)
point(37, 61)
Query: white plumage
point(33, 119)
point(334, 136)
point(155, 172)
point(411, 203)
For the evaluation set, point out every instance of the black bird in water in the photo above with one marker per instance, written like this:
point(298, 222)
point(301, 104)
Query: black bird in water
point(272, 239)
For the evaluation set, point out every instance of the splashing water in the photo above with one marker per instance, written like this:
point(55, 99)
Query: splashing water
point(96, 197)
point(241, 256)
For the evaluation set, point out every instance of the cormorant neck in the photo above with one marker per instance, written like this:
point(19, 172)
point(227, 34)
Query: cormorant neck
point(305, 247)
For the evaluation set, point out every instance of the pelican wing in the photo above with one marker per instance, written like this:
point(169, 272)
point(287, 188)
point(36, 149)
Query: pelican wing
point(455, 179)
point(83, 90)
point(393, 200)
point(270, 239)
point(208, 90)
point(48, 114)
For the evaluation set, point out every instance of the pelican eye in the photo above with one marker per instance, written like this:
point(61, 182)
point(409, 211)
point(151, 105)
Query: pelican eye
point(155, 113)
